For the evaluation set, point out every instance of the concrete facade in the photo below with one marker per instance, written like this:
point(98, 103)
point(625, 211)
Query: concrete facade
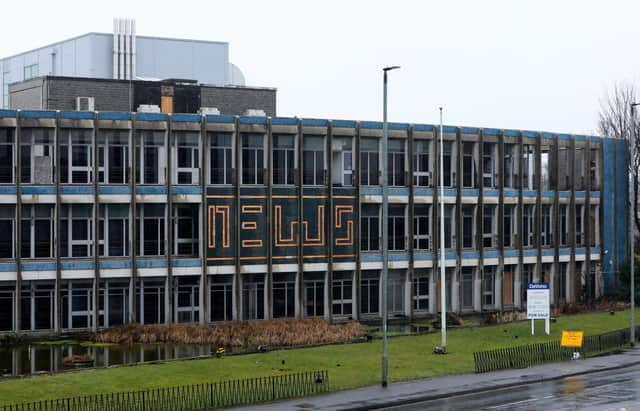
point(189, 218)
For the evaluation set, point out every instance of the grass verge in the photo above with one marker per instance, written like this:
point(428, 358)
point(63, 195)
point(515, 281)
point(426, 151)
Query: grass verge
point(349, 365)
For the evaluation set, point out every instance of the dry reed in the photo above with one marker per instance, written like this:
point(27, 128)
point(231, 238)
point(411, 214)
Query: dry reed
point(245, 334)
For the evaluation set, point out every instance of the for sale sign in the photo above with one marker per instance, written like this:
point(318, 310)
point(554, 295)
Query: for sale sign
point(538, 301)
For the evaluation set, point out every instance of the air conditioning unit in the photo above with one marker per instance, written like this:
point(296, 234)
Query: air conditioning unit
point(211, 111)
point(252, 112)
point(148, 108)
point(85, 103)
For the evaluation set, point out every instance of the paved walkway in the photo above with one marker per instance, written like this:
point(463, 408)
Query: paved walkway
point(373, 397)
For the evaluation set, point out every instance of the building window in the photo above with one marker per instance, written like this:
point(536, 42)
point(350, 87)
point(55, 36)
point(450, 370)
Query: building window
point(449, 164)
point(580, 237)
point(314, 294)
point(253, 297)
point(150, 157)
point(150, 301)
point(369, 161)
point(186, 297)
point(30, 71)
point(528, 218)
point(468, 226)
point(7, 303)
point(76, 155)
point(37, 299)
point(578, 168)
point(564, 167)
point(370, 292)
point(594, 169)
point(510, 166)
point(370, 227)
point(76, 230)
point(421, 227)
point(6, 155)
point(7, 231)
point(77, 304)
point(449, 226)
point(527, 278)
point(488, 286)
point(489, 226)
point(37, 155)
point(489, 171)
point(220, 158)
point(283, 293)
point(396, 227)
point(113, 156)
point(421, 163)
point(469, 164)
point(252, 159)
point(113, 303)
point(546, 169)
point(342, 294)
point(509, 228)
point(594, 225)
point(221, 298)
point(186, 157)
point(37, 230)
point(562, 282)
point(186, 230)
point(395, 162)
point(395, 292)
point(113, 230)
point(546, 235)
point(563, 218)
point(313, 160)
point(528, 166)
point(150, 229)
point(467, 288)
point(284, 159)
point(342, 161)
point(421, 290)
point(5, 89)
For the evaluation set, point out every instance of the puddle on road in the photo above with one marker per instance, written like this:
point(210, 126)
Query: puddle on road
point(572, 385)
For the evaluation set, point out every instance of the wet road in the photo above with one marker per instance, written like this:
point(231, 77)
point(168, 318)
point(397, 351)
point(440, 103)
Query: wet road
point(610, 390)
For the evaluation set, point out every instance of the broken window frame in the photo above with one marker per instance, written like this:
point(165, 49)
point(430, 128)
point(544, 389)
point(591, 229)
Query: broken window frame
point(342, 161)
point(469, 164)
point(31, 139)
point(489, 163)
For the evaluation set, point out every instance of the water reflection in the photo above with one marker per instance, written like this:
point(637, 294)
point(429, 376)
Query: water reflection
point(30, 359)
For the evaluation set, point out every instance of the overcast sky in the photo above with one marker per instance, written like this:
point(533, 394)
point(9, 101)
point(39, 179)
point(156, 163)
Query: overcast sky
point(542, 64)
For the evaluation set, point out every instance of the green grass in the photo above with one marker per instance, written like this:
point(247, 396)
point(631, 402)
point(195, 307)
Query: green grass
point(349, 365)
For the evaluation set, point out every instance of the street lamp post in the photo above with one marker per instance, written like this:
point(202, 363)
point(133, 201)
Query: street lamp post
point(385, 228)
point(632, 149)
point(443, 277)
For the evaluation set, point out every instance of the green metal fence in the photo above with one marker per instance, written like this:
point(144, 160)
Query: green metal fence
point(192, 397)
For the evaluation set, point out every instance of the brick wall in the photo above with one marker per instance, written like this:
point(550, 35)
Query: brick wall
point(109, 95)
point(235, 101)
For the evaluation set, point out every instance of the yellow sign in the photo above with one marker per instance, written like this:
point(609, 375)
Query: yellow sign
point(572, 339)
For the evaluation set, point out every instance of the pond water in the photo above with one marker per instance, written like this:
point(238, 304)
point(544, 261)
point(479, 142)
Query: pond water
point(30, 359)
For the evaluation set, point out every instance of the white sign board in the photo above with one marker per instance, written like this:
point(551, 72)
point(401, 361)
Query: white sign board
point(538, 301)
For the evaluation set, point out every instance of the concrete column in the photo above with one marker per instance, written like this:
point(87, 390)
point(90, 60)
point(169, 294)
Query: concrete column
point(454, 274)
point(477, 289)
point(517, 285)
point(328, 309)
point(355, 294)
point(408, 297)
point(237, 297)
point(498, 281)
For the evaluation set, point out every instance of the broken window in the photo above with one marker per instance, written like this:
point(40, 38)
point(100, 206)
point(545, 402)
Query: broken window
point(546, 236)
point(395, 162)
point(528, 218)
point(369, 161)
point(546, 168)
point(510, 165)
point(489, 170)
point(6, 155)
point(150, 229)
point(578, 168)
point(564, 165)
point(76, 230)
point(220, 158)
point(37, 229)
point(186, 230)
point(7, 231)
point(252, 159)
point(421, 227)
point(186, 157)
point(468, 226)
point(509, 227)
point(284, 154)
point(449, 226)
point(421, 163)
point(370, 227)
point(113, 230)
point(580, 237)
point(342, 161)
point(150, 157)
point(76, 154)
point(469, 168)
point(594, 169)
point(37, 155)
point(313, 160)
point(396, 227)
point(528, 166)
point(449, 164)
point(563, 219)
point(594, 225)
point(113, 156)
